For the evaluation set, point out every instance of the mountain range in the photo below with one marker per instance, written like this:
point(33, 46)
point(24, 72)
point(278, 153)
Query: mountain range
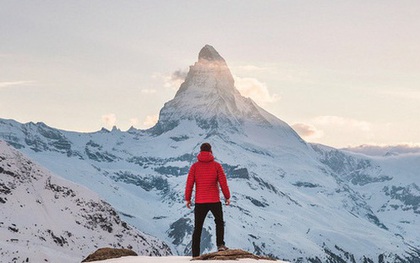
point(291, 199)
point(48, 219)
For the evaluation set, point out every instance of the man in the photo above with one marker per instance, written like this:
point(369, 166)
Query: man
point(207, 175)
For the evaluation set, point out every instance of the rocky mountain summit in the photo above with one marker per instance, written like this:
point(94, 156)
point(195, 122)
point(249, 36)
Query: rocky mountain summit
point(209, 98)
point(290, 199)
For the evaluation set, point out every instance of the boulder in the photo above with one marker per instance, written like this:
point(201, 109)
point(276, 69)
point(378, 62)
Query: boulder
point(108, 253)
point(230, 254)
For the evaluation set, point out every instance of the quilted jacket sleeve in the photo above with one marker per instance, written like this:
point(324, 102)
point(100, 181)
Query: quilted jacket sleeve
point(190, 183)
point(221, 177)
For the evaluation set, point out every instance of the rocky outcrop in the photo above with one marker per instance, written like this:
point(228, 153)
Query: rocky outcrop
point(108, 253)
point(230, 254)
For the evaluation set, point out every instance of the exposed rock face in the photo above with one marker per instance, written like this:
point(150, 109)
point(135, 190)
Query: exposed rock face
point(209, 53)
point(108, 253)
point(230, 254)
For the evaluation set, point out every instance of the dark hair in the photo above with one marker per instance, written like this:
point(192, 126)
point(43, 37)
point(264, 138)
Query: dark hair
point(205, 147)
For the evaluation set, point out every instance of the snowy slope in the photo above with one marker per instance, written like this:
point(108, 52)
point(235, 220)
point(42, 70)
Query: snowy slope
point(389, 184)
point(172, 259)
point(45, 218)
point(291, 200)
point(392, 150)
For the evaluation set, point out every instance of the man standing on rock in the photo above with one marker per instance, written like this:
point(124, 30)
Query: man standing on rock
point(207, 175)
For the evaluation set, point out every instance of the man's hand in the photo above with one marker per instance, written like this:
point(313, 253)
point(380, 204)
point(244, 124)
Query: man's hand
point(188, 204)
point(227, 202)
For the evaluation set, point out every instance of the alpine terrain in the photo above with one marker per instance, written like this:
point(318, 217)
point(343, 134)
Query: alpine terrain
point(45, 218)
point(291, 200)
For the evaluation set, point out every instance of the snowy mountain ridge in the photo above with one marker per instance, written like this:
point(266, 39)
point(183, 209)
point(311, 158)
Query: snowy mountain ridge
point(373, 150)
point(290, 199)
point(175, 259)
point(46, 218)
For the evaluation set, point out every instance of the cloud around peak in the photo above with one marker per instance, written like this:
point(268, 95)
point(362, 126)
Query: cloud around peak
point(256, 90)
point(307, 131)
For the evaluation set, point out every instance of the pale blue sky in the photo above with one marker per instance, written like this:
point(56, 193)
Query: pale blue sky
point(341, 72)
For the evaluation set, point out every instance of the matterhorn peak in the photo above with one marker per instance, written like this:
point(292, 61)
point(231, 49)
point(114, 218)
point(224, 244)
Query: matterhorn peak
point(208, 97)
point(210, 54)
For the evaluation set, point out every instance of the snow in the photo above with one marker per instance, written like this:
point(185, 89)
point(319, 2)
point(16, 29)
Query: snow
point(175, 259)
point(45, 217)
point(374, 150)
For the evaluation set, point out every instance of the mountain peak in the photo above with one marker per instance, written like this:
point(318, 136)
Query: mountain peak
point(209, 97)
point(209, 53)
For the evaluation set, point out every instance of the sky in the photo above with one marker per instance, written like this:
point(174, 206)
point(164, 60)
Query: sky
point(341, 73)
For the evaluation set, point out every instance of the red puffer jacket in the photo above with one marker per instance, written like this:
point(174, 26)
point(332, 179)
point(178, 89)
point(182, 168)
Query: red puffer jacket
point(207, 175)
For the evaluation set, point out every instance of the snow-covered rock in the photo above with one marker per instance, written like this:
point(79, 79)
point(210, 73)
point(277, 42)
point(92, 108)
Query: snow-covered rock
point(291, 200)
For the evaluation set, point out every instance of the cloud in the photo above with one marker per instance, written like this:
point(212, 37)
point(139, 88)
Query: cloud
point(150, 120)
point(307, 131)
point(175, 79)
point(280, 72)
point(172, 80)
point(6, 84)
point(256, 90)
point(337, 129)
point(179, 75)
point(109, 119)
point(344, 132)
point(341, 122)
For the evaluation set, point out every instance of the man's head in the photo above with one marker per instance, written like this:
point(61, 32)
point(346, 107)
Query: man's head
point(205, 147)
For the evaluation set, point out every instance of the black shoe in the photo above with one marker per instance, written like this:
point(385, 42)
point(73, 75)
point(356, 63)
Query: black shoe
point(222, 248)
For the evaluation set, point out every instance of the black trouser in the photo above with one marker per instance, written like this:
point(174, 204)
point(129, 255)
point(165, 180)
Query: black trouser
point(200, 213)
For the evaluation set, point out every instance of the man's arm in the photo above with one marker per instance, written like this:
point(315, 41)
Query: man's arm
point(190, 185)
point(221, 177)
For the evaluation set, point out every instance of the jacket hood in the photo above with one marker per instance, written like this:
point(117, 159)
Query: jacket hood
point(205, 157)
